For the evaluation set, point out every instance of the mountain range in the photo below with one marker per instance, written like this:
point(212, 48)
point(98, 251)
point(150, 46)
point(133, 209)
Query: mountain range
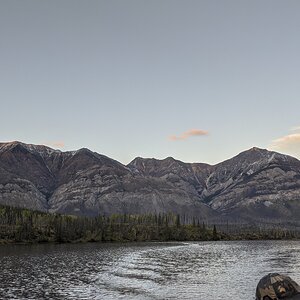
point(256, 185)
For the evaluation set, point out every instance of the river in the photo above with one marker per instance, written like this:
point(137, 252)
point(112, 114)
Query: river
point(193, 270)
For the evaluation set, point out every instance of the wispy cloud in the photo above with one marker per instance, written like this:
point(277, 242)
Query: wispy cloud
point(58, 144)
point(289, 143)
point(187, 134)
point(296, 128)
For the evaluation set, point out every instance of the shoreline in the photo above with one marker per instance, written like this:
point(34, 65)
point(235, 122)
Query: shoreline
point(25, 243)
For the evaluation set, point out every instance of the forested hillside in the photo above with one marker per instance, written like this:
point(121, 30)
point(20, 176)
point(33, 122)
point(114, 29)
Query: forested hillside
point(26, 226)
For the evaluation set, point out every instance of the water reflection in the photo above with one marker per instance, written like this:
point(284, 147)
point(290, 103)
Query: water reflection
point(207, 270)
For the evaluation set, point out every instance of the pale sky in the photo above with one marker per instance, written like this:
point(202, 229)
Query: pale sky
point(197, 80)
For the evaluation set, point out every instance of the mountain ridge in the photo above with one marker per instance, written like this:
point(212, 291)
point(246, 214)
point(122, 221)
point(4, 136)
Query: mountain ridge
point(4, 145)
point(254, 184)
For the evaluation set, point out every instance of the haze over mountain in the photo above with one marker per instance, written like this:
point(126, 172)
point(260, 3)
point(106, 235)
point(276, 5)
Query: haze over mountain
point(254, 185)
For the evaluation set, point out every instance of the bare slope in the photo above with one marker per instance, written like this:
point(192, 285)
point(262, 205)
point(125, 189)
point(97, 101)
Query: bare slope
point(86, 183)
point(255, 185)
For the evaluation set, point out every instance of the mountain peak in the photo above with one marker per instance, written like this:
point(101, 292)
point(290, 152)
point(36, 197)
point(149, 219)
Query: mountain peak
point(10, 144)
point(32, 148)
point(257, 149)
point(256, 153)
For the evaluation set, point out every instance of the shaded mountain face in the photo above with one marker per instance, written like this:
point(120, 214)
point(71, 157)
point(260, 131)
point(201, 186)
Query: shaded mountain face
point(182, 175)
point(255, 185)
point(30, 175)
point(86, 183)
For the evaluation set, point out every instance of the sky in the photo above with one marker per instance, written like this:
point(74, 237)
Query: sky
point(197, 80)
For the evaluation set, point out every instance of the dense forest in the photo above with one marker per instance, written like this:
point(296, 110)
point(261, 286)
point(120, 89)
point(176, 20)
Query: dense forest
point(25, 226)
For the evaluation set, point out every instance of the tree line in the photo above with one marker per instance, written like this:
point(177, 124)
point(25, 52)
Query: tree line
point(19, 225)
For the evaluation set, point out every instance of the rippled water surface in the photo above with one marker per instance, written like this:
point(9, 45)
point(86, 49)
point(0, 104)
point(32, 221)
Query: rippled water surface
point(204, 270)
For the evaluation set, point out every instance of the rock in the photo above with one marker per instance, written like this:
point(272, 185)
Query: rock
point(255, 185)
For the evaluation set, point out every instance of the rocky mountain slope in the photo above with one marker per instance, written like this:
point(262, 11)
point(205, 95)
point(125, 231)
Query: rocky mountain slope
point(86, 183)
point(256, 182)
point(255, 185)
